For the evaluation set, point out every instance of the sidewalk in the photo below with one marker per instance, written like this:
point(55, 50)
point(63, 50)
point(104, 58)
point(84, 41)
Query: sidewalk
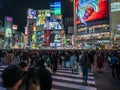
point(105, 81)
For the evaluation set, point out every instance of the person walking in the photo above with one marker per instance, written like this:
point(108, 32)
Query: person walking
point(114, 61)
point(73, 60)
point(85, 64)
point(54, 62)
point(45, 78)
point(99, 62)
point(12, 77)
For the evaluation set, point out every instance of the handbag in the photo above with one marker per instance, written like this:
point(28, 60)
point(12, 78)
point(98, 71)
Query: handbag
point(80, 70)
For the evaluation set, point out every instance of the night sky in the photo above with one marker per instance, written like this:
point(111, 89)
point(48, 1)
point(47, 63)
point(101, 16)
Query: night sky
point(18, 9)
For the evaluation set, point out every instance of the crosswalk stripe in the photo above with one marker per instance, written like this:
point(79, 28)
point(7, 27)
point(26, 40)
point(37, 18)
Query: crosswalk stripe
point(65, 71)
point(54, 89)
point(74, 86)
point(72, 79)
point(0, 79)
point(65, 79)
point(1, 69)
point(73, 75)
point(1, 88)
point(3, 66)
point(68, 69)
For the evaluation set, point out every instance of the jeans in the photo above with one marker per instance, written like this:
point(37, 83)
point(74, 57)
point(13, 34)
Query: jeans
point(85, 74)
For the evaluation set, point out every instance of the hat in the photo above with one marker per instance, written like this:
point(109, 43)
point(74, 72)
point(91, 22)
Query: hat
point(11, 75)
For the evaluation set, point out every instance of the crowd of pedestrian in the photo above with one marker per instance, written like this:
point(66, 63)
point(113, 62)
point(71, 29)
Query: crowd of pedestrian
point(32, 69)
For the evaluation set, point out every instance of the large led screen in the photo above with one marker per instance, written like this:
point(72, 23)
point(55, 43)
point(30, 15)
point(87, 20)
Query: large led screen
point(41, 16)
point(53, 23)
point(87, 10)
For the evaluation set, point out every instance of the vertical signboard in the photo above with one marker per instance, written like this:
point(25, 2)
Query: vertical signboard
point(55, 8)
point(8, 26)
point(47, 38)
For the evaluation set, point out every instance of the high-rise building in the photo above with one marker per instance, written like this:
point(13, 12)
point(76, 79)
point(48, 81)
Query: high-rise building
point(115, 23)
point(92, 21)
point(8, 22)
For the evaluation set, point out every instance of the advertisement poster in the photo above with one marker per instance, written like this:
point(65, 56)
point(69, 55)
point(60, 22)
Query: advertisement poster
point(41, 16)
point(40, 36)
point(54, 23)
point(31, 14)
point(55, 36)
point(47, 38)
point(87, 10)
point(8, 32)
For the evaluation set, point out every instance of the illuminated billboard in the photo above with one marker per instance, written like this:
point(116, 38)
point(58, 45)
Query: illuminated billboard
point(14, 27)
point(54, 23)
point(47, 38)
point(55, 8)
point(9, 19)
point(55, 36)
point(40, 36)
point(31, 14)
point(41, 16)
point(8, 32)
point(87, 10)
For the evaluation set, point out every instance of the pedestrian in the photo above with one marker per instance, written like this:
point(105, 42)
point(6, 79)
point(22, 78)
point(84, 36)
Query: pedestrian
point(73, 60)
point(32, 80)
point(45, 78)
point(54, 62)
point(9, 58)
point(114, 61)
point(12, 77)
point(99, 62)
point(85, 64)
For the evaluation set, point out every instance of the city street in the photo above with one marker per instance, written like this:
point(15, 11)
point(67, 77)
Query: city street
point(105, 81)
point(63, 79)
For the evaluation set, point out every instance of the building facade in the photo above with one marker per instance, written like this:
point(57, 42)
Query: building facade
point(92, 22)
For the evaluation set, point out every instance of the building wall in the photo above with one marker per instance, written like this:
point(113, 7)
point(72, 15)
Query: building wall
point(115, 22)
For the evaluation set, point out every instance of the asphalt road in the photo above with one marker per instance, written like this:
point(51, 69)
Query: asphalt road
point(104, 79)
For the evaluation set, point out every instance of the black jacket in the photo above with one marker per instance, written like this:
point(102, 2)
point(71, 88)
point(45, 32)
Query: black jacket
point(45, 78)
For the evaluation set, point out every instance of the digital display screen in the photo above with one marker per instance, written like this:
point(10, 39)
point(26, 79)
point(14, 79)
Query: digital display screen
point(53, 23)
point(31, 13)
point(55, 44)
point(55, 8)
point(88, 10)
point(41, 16)
point(55, 36)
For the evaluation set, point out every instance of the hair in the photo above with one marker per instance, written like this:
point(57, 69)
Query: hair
point(11, 75)
point(42, 61)
point(32, 77)
point(23, 64)
point(85, 56)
